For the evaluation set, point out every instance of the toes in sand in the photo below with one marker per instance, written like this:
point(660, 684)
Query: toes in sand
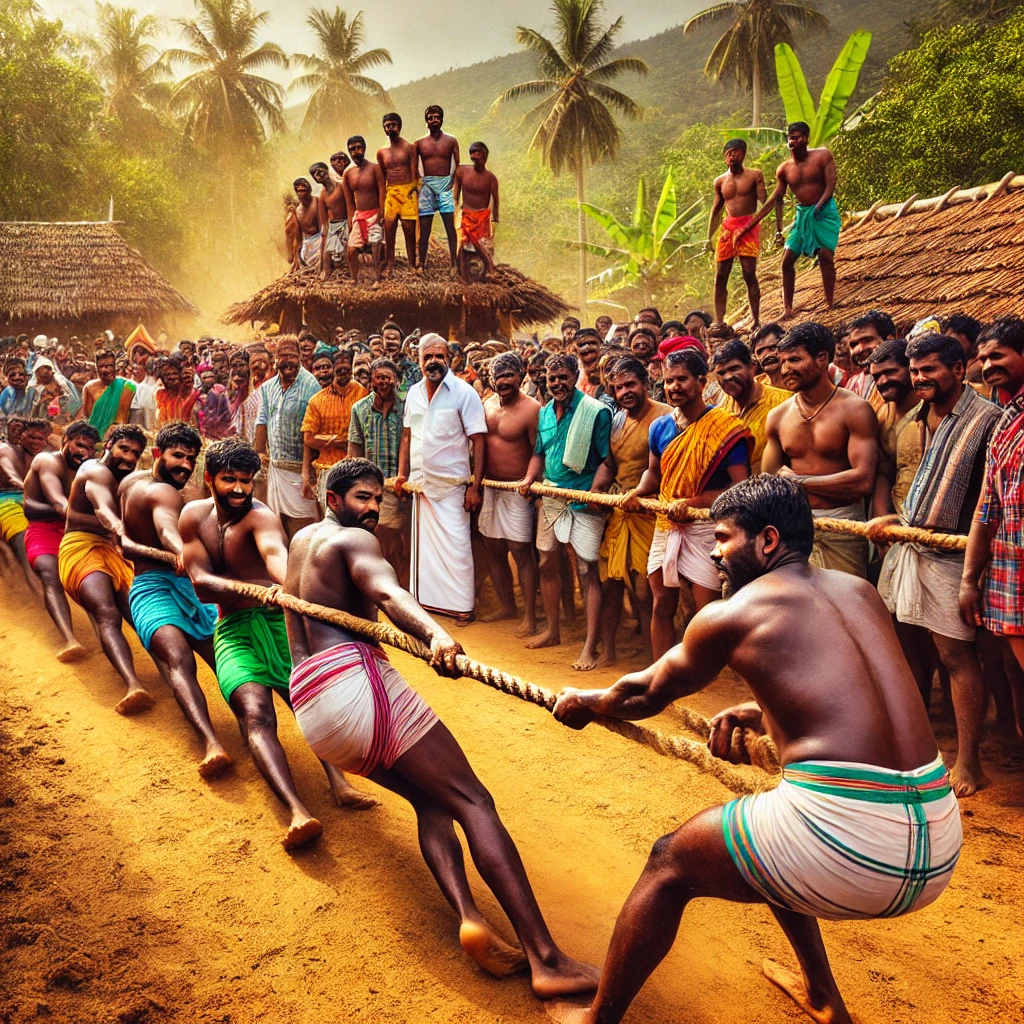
point(967, 781)
point(74, 651)
point(792, 983)
point(353, 800)
point(214, 764)
point(586, 662)
point(490, 951)
point(568, 1011)
point(545, 639)
point(134, 702)
point(567, 979)
point(301, 833)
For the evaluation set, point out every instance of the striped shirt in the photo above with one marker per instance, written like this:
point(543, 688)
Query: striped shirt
point(282, 412)
point(379, 435)
point(329, 413)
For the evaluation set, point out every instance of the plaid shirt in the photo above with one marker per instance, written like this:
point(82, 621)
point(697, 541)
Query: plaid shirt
point(1002, 506)
point(281, 412)
point(378, 434)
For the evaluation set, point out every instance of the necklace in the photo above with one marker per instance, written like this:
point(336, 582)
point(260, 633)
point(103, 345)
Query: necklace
point(807, 419)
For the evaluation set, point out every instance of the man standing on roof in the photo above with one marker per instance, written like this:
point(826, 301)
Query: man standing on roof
point(397, 162)
point(443, 422)
point(478, 189)
point(439, 153)
point(364, 197)
point(333, 212)
point(811, 174)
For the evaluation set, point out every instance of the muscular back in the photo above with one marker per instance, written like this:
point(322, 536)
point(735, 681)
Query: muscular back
point(141, 494)
point(820, 653)
point(81, 513)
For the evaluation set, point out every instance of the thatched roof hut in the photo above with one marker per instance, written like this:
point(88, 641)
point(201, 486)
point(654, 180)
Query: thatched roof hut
point(79, 278)
point(434, 301)
point(961, 252)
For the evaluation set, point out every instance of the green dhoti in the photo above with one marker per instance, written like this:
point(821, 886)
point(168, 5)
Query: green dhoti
point(251, 646)
point(813, 230)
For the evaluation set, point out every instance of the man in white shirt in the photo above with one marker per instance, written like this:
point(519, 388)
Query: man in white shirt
point(443, 420)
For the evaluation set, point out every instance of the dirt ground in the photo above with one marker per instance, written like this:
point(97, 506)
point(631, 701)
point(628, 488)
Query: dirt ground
point(131, 891)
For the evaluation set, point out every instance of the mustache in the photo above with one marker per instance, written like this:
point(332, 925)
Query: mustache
point(435, 367)
point(370, 517)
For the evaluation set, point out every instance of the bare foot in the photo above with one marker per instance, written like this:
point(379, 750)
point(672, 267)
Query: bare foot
point(787, 314)
point(134, 702)
point(966, 781)
point(567, 977)
point(568, 1011)
point(301, 832)
point(545, 639)
point(528, 627)
point(465, 619)
point(793, 985)
point(491, 951)
point(346, 795)
point(70, 652)
point(215, 762)
point(587, 661)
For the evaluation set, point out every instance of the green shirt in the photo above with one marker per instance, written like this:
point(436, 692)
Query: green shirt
point(551, 435)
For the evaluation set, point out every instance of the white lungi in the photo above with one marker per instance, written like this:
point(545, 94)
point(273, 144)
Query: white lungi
point(442, 577)
point(506, 515)
point(581, 528)
point(684, 553)
point(921, 587)
point(337, 241)
point(284, 492)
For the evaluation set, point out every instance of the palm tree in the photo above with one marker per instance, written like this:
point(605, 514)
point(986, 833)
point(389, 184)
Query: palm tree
point(224, 103)
point(336, 74)
point(575, 120)
point(134, 74)
point(745, 53)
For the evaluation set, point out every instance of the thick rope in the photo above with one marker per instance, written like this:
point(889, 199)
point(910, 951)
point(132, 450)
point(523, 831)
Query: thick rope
point(759, 748)
point(679, 512)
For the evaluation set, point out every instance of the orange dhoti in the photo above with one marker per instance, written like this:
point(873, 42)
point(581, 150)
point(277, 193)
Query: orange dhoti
point(475, 229)
point(81, 554)
point(729, 246)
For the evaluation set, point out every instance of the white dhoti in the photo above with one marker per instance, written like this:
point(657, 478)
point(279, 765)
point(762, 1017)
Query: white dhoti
point(506, 515)
point(840, 551)
point(337, 242)
point(284, 491)
point(561, 522)
point(921, 587)
point(683, 552)
point(309, 252)
point(441, 566)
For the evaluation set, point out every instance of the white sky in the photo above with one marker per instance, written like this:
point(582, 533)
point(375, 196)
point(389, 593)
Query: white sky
point(424, 38)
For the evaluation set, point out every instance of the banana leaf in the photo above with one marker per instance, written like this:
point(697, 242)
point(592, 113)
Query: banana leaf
point(839, 87)
point(793, 86)
point(762, 136)
point(640, 210)
point(619, 233)
point(664, 213)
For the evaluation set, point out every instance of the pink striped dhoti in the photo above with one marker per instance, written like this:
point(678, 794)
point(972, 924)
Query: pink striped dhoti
point(355, 709)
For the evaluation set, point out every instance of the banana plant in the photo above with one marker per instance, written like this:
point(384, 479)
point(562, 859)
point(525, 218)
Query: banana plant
point(644, 251)
point(827, 118)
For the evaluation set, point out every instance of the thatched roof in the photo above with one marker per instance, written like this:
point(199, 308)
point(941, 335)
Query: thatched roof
point(962, 252)
point(80, 272)
point(435, 300)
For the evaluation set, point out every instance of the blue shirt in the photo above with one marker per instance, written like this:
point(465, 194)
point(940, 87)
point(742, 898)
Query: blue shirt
point(551, 437)
point(281, 412)
point(665, 429)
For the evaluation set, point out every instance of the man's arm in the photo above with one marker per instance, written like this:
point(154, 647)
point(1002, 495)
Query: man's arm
point(9, 467)
point(774, 199)
point(350, 199)
point(457, 185)
point(456, 156)
point(494, 199)
point(52, 487)
point(605, 475)
point(830, 183)
point(272, 543)
point(773, 458)
point(716, 214)
point(862, 452)
point(534, 472)
point(474, 492)
point(685, 669)
point(403, 460)
point(125, 406)
point(760, 187)
point(196, 559)
point(104, 505)
point(308, 474)
point(381, 186)
point(321, 206)
point(374, 576)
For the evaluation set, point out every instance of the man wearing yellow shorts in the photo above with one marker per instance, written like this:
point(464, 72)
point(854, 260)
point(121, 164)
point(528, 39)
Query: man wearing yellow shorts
point(402, 191)
point(16, 457)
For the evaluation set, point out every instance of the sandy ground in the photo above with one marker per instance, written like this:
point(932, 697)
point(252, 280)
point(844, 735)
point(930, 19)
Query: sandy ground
point(131, 890)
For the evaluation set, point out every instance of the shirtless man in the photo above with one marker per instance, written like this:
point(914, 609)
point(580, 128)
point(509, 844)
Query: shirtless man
point(91, 565)
point(356, 711)
point(169, 618)
point(15, 461)
point(364, 188)
point(232, 537)
point(307, 215)
point(826, 438)
point(477, 187)
point(739, 191)
point(46, 507)
point(878, 837)
point(507, 520)
point(439, 154)
point(398, 163)
point(333, 213)
point(811, 174)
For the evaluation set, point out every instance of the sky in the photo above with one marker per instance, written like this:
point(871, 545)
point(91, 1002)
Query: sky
point(424, 38)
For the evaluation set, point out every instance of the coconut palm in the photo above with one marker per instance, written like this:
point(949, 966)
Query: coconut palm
point(224, 103)
point(745, 53)
point(134, 74)
point(576, 124)
point(336, 74)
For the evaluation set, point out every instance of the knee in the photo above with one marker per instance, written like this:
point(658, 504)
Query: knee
point(665, 605)
point(550, 563)
point(257, 720)
point(666, 860)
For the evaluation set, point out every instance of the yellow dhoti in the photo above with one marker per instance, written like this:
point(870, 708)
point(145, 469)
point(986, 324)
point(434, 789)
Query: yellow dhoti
point(626, 544)
point(82, 553)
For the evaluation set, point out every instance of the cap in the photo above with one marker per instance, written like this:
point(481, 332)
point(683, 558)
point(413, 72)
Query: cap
point(670, 345)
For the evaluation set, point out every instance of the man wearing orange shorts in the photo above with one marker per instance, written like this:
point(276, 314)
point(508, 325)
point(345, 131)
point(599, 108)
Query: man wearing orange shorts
point(739, 191)
point(477, 187)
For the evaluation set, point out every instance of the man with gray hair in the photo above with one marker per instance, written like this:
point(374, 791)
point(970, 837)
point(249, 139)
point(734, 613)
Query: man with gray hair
point(443, 420)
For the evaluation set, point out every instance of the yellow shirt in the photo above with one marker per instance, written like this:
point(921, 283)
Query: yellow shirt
point(329, 413)
point(755, 416)
point(901, 449)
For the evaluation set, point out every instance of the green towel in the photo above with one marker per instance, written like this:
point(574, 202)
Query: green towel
point(104, 412)
point(581, 433)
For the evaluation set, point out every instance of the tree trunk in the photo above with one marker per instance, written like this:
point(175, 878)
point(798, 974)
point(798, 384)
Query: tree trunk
point(755, 114)
point(580, 198)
